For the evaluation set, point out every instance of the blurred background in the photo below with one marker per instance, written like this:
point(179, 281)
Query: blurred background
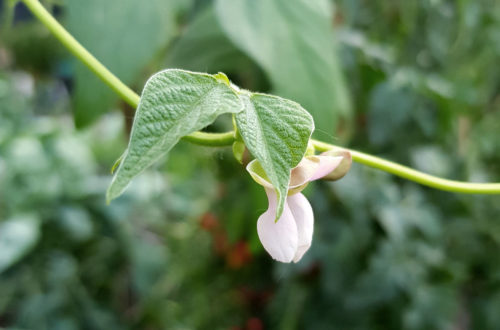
point(417, 82)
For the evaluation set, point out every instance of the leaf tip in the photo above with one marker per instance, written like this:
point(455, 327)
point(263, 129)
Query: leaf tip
point(113, 192)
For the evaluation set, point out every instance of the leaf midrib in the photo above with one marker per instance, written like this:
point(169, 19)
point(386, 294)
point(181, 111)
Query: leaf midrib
point(267, 151)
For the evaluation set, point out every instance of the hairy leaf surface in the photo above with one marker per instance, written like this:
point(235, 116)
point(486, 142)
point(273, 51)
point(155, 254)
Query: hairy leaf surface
point(276, 131)
point(174, 103)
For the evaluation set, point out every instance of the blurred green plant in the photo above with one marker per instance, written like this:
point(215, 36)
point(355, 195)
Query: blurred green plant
point(387, 254)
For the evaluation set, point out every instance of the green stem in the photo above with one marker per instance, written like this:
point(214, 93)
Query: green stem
point(81, 53)
point(211, 139)
point(413, 175)
point(226, 139)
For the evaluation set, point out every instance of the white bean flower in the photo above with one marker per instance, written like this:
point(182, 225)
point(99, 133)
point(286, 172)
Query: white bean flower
point(288, 238)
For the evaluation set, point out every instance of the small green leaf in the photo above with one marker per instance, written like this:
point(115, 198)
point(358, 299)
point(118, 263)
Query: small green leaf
point(239, 151)
point(174, 103)
point(276, 131)
point(117, 163)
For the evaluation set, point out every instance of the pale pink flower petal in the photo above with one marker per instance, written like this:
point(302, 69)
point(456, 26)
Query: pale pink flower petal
point(304, 219)
point(290, 237)
point(344, 166)
point(280, 239)
point(302, 173)
point(327, 164)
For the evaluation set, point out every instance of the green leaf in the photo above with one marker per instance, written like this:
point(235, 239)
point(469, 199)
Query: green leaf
point(17, 236)
point(174, 103)
point(276, 131)
point(125, 35)
point(293, 41)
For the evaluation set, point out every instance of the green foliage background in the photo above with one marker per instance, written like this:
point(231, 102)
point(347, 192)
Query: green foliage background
point(414, 81)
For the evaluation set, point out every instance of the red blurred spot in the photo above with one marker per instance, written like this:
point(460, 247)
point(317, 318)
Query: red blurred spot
point(209, 221)
point(254, 323)
point(239, 255)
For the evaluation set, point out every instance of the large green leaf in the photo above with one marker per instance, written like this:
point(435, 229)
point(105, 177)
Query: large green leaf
point(174, 103)
point(276, 131)
point(294, 43)
point(204, 46)
point(124, 35)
